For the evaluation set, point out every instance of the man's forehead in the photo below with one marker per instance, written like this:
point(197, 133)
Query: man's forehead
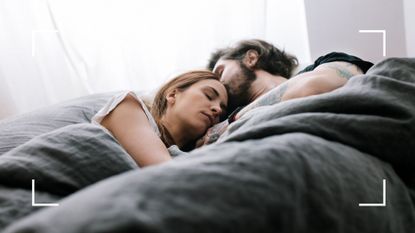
point(221, 61)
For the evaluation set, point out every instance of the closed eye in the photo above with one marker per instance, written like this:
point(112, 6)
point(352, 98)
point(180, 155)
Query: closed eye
point(208, 96)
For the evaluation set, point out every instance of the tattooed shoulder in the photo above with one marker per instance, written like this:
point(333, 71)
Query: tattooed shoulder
point(343, 69)
point(272, 97)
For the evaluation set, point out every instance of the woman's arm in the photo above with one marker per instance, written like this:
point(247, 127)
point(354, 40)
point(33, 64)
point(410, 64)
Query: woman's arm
point(130, 126)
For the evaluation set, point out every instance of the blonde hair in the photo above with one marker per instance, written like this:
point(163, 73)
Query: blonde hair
point(180, 83)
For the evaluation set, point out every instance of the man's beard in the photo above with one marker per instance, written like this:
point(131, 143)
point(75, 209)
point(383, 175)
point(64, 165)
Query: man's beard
point(239, 88)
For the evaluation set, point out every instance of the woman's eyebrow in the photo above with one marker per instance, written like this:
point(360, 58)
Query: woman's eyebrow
point(214, 90)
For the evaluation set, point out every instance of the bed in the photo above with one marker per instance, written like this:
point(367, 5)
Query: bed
point(302, 165)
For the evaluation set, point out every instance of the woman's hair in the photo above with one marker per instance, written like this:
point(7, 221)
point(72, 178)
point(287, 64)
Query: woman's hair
point(180, 83)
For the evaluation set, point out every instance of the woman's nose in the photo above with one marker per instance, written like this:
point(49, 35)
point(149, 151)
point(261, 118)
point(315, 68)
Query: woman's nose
point(217, 110)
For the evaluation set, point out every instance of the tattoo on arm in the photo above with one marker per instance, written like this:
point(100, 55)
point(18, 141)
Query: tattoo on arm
point(273, 97)
point(344, 69)
point(281, 92)
point(341, 71)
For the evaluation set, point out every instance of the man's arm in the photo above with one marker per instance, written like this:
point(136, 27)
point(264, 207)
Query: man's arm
point(325, 78)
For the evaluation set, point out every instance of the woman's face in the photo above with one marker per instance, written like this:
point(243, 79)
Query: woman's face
point(200, 106)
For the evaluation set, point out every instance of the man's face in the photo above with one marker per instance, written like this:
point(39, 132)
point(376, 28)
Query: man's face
point(237, 79)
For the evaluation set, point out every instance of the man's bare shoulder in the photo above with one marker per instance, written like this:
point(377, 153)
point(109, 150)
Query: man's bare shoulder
point(343, 69)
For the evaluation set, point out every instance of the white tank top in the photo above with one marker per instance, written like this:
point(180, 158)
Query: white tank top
point(114, 101)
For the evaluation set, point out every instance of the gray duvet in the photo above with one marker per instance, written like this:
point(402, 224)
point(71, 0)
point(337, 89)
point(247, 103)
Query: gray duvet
point(297, 166)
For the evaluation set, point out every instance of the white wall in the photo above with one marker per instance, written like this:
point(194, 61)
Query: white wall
point(82, 47)
point(6, 101)
point(286, 27)
point(144, 43)
point(409, 14)
point(333, 25)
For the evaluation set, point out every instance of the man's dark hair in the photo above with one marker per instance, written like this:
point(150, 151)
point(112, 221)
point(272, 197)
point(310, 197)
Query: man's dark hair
point(215, 56)
point(270, 59)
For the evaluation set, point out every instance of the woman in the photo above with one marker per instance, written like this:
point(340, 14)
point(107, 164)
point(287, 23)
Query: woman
point(182, 110)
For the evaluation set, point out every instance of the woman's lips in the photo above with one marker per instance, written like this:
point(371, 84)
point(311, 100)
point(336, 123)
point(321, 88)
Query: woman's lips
point(209, 117)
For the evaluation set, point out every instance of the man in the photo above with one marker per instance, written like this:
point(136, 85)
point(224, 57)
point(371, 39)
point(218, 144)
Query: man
point(252, 68)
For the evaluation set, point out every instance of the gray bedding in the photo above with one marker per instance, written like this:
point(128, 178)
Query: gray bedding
point(17, 130)
point(60, 150)
point(297, 166)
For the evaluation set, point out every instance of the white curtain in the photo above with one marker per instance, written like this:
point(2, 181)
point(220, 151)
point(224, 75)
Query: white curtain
point(53, 50)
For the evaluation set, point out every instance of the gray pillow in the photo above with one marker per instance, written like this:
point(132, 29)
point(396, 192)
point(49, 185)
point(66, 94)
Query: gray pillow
point(17, 130)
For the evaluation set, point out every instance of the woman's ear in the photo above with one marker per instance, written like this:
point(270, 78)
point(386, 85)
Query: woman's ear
point(251, 58)
point(171, 96)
